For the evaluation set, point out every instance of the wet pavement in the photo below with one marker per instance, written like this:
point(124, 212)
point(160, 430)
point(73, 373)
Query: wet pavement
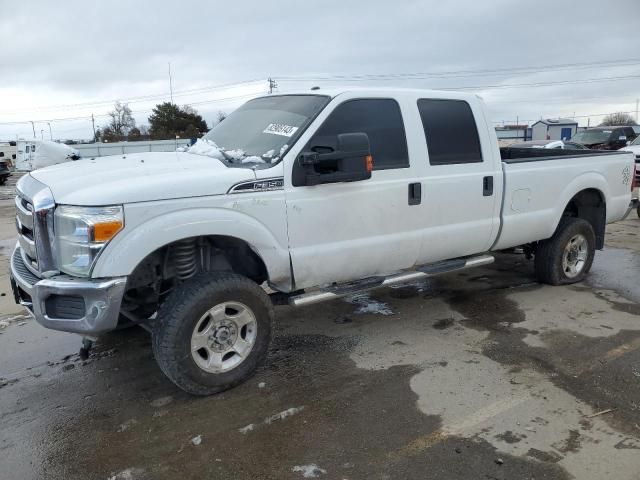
point(483, 374)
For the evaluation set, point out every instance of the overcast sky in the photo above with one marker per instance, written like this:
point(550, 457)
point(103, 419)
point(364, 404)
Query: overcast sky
point(67, 59)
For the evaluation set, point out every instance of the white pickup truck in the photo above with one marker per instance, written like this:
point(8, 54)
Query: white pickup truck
point(298, 198)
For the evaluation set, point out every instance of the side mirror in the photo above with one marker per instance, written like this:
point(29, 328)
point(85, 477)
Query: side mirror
point(350, 161)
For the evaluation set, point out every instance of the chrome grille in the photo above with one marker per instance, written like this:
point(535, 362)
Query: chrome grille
point(638, 169)
point(34, 222)
point(24, 224)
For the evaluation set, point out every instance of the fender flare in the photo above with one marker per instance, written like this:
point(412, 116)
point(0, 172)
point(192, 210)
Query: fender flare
point(122, 254)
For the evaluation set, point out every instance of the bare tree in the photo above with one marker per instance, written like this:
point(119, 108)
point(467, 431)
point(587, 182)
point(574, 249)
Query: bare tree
point(616, 119)
point(121, 120)
point(221, 116)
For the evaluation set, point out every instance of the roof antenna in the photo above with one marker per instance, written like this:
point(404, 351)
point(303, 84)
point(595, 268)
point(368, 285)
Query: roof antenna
point(315, 88)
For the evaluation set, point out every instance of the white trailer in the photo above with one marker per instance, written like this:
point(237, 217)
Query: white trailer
point(33, 154)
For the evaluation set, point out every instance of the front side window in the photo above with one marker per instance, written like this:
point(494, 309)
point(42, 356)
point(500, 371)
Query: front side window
point(450, 131)
point(379, 118)
point(27, 149)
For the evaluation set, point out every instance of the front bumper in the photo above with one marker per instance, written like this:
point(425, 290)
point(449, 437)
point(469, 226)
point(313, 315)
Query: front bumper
point(66, 303)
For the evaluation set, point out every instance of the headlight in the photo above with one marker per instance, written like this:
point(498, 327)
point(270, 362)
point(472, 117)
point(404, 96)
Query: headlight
point(81, 233)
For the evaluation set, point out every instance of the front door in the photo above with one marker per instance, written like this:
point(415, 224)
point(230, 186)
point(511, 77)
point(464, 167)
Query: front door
point(347, 231)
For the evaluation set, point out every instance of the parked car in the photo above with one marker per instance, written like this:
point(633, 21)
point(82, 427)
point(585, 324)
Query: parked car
point(5, 173)
point(605, 138)
point(316, 195)
point(634, 147)
point(549, 144)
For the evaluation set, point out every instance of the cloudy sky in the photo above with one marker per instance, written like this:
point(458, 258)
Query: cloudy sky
point(62, 61)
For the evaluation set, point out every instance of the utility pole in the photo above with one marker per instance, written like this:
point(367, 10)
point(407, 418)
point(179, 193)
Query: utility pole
point(50, 134)
point(34, 128)
point(42, 134)
point(272, 85)
point(170, 84)
point(93, 124)
point(637, 101)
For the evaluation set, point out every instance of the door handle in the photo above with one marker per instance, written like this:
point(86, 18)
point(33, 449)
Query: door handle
point(487, 186)
point(415, 193)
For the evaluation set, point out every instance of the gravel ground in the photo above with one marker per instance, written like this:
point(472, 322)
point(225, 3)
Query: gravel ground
point(483, 374)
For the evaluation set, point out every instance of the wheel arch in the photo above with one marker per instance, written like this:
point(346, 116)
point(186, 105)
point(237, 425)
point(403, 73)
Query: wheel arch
point(129, 249)
point(590, 204)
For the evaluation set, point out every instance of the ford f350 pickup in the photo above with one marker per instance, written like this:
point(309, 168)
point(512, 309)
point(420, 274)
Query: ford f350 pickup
point(298, 198)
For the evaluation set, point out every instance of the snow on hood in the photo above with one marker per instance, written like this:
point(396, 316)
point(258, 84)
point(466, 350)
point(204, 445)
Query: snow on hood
point(139, 177)
point(208, 148)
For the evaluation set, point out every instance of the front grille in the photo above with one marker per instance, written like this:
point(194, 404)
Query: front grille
point(21, 269)
point(25, 227)
point(638, 169)
point(34, 222)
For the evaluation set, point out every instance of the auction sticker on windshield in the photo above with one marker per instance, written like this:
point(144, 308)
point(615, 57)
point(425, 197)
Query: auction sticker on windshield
point(280, 129)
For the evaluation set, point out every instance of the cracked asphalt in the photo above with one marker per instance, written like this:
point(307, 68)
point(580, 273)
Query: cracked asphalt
point(484, 374)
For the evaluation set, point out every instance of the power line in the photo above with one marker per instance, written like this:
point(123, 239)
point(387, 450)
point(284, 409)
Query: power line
point(141, 98)
point(87, 117)
point(418, 75)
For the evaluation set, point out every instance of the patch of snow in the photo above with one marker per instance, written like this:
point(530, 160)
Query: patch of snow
point(367, 305)
point(207, 148)
point(283, 149)
point(197, 440)
point(262, 385)
point(247, 429)
point(309, 471)
point(282, 415)
point(269, 154)
point(127, 425)
point(127, 474)
point(253, 159)
point(237, 154)
point(162, 401)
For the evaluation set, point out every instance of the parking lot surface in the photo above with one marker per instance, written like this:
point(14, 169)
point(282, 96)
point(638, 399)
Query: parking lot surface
point(483, 374)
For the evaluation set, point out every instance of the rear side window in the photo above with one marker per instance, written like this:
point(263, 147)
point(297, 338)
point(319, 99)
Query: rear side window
point(450, 131)
point(380, 119)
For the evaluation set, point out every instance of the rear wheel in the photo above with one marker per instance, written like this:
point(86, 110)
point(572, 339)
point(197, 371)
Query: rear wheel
point(567, 256)
point(212, 332)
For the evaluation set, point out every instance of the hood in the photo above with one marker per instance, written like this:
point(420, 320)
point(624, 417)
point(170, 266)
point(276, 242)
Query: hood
point(139, 177)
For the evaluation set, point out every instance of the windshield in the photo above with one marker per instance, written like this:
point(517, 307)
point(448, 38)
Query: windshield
point(592, 136)
point(260, 132)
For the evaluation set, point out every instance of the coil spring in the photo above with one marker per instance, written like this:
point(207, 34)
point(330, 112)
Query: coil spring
point(185, 258)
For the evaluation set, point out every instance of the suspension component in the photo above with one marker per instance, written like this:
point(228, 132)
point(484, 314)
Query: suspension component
point(185, 258)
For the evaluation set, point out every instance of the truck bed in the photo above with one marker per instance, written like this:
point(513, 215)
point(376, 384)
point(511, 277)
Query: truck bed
point(540, 183)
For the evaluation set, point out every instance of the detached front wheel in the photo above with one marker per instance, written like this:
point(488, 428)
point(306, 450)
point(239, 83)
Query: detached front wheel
point(212, 332)
point(567, 256)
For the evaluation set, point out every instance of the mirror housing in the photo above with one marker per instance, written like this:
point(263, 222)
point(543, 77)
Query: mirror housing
point(351, 161)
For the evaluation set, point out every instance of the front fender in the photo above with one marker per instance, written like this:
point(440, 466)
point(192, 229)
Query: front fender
point(121, 256)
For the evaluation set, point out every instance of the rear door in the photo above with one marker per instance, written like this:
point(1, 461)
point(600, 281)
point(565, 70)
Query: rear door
point(463, 183)
point(347, 231)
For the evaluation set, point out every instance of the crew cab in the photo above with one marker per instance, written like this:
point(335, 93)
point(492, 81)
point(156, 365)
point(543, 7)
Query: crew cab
point(297, 198)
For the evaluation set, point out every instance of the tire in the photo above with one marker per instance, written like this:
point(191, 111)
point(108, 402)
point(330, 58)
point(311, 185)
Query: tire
point(185, 321)
point(556, 263)
point(638, 212)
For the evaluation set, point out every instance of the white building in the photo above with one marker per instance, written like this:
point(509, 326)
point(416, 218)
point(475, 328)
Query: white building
point(554, 129)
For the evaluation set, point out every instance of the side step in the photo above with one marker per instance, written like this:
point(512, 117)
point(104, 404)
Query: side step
point(342, 290)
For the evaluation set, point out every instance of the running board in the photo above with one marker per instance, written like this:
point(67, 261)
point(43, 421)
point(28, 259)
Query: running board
point(342, 290)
